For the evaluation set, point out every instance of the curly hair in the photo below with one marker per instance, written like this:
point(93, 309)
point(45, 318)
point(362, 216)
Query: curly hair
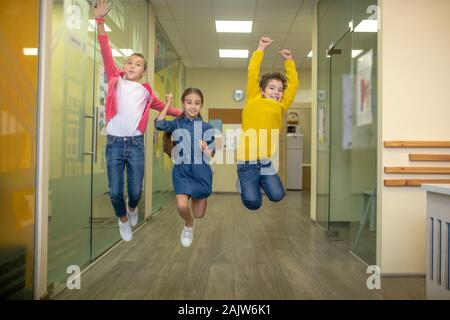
point(265, 79)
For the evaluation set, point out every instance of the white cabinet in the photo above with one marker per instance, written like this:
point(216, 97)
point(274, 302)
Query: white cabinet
point(438, 241)
point(294, 161)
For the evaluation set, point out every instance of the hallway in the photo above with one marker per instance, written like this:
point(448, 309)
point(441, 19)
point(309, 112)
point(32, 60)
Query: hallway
point(275, 253)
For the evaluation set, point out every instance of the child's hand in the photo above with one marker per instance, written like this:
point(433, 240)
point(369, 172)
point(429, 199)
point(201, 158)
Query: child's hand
point(286, 54)
point(264, 42)
point(205, 149)
point(101, 8)
point(203, 145)
point(169, 99)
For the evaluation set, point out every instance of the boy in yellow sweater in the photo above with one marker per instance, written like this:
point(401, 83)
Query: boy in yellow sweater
point(267, 99)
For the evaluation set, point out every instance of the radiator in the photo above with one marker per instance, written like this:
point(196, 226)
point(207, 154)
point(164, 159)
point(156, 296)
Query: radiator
point(438, 242)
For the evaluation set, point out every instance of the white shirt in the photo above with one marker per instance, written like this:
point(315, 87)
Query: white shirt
point(131, 98)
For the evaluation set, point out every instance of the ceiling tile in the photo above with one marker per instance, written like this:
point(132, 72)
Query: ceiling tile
point(234, 3)
point(234, 14)
point(211, 51)
point(229, 37)
point(190, 3)
point(272, 26)
point(188, 63)
point(279, 3)
point(275, 14)
point(193, 27)
point(192, 13)
point(233, 63)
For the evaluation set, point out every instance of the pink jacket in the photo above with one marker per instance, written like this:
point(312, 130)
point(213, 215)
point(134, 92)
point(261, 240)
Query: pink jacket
point(112, 75)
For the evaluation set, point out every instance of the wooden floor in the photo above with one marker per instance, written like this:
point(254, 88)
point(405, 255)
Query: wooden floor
point(274, 253)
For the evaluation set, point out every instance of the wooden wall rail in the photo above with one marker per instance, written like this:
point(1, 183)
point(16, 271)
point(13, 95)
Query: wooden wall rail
point(417, 144)
point(418, 157)
point(429, 157)
point(412, 182)
point(425, 170)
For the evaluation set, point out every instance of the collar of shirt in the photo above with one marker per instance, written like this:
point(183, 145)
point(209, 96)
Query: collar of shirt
point(189, 120)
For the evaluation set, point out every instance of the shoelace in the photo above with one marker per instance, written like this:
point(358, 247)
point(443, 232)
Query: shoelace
point(187, 233)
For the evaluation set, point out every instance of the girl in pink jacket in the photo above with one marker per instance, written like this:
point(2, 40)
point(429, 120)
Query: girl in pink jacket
point(127, 111)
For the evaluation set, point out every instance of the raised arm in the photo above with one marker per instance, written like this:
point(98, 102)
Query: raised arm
point(161, 123)
point(292, 79)
point(100, 11)
point(158, 105)
point(163, 113)
point(254, 66)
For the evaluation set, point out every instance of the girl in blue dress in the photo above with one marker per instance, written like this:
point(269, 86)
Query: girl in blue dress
point(194, 148)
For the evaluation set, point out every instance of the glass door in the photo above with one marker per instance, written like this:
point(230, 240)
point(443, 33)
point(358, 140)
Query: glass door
point(353, 145)
point(71, 82)
point(127, 29)
point(82, 222)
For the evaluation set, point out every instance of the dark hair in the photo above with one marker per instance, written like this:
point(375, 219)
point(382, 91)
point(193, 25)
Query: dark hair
point(141, 56)
point(187, 92)
point(265, 79)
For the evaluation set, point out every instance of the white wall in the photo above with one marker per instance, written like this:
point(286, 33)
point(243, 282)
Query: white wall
point(414, 95)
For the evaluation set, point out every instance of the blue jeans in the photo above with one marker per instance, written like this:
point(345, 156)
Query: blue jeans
point(121, 153)
point(256, 175)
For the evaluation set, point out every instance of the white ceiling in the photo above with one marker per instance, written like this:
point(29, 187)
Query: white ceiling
point(190, 27)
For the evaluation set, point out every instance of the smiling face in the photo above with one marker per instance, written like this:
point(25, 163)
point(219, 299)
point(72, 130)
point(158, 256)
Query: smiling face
point(273, 90)
point(192, 104)
point(134, 68)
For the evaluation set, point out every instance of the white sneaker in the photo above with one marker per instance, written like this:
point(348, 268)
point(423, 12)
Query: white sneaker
point(133, 216)
point(187, 235)
point(125, 230)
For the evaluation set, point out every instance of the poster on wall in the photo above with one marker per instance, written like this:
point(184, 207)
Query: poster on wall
point(321, 124)
point(347, 116)
point(364, 89)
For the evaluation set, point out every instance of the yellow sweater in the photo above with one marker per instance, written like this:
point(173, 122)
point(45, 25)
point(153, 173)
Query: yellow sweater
point(261, 117)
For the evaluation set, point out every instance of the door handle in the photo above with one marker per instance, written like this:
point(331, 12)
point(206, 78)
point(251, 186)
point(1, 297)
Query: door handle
point(94, 136)
point(93, 151)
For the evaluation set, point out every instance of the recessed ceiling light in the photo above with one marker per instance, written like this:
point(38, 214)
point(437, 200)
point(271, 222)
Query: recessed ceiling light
point(234, 26)
point(367, 26)
point(232, 53)
point(30, 51)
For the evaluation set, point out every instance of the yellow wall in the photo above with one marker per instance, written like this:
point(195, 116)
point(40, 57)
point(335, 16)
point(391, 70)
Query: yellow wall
point(18, 110)
point(414, 46)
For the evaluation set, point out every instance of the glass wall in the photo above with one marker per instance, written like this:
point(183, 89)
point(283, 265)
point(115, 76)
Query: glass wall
point(169, 78)
point(347, 123)
point(19, 28)
point(82, 222)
